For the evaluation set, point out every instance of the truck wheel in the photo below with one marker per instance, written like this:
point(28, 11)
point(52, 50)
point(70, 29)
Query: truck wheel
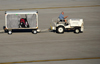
point(34, 31)
point(77, 31)
point(60, 29)
point(9, 32)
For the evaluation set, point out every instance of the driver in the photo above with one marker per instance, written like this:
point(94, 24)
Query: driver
point(62, 18)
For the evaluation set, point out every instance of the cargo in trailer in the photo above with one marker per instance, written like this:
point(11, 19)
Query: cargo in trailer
point(21, 20)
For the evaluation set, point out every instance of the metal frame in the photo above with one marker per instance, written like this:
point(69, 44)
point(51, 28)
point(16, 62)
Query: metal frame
point(21, 12)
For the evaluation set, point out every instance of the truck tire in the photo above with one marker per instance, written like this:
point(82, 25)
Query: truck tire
point(9, 32)
point(60, 29)
point(34, 31)
point(77, 31)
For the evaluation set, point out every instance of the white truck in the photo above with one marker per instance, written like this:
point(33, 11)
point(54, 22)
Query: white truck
point(77, 25)
point(19, 20)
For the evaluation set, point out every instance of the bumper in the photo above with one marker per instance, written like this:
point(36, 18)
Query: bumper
point(52, 28)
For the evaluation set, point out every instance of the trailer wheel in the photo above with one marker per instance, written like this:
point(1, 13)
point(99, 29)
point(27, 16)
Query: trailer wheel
point(60, 29)
point(9, 32)
point(77, 30)
point(34, 31)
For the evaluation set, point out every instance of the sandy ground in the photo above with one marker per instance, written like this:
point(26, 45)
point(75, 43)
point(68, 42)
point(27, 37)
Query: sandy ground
point(49, 45)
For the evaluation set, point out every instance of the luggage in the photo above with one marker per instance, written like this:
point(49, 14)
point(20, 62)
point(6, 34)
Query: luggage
point(23, 23)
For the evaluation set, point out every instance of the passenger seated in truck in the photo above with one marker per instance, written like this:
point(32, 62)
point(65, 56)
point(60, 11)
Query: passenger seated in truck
point(62, 18)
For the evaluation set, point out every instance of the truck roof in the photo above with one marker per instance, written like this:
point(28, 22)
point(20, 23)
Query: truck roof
point(21, 12)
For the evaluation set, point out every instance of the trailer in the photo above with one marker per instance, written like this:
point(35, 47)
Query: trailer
point(21, 20)
point(77, 25)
